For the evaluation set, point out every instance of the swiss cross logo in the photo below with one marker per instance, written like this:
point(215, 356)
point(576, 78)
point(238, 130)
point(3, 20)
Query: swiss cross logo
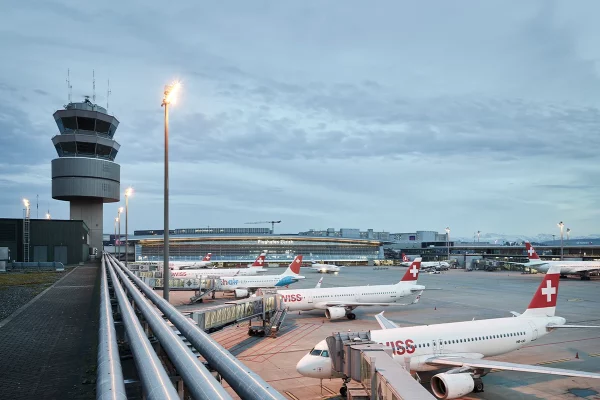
point(531, 251)
point(259, 261)
point(297, 260)
point(414, 271)
point(548, 291)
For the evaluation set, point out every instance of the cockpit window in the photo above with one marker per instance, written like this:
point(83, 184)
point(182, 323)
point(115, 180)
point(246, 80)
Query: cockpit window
point(315, 352)
point(325, 353)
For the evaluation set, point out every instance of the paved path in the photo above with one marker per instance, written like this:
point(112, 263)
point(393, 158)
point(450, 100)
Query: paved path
point(48, 350)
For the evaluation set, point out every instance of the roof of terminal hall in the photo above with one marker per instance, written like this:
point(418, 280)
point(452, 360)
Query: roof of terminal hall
point(264, 238)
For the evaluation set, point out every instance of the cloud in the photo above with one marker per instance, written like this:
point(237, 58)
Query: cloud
point(396, 117)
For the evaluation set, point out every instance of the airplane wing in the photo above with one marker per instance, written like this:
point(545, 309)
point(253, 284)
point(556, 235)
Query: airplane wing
point(353, 304)
point(506, 366)
point(384, 322)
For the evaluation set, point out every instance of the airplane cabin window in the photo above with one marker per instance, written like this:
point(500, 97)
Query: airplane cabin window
point(325, 353)
point(315, 353)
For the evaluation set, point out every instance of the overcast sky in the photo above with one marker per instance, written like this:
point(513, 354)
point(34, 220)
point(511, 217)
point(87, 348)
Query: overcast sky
point(401, 117)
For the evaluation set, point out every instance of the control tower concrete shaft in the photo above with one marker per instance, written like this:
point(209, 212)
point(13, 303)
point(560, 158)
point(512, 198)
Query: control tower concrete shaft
point(85, 173)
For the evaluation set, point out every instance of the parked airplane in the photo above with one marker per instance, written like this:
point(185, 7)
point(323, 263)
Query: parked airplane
point(581, 268)
point(463, 346)
point(339, 302)
point(437, 265)
point(243, 286)
point(175, 265)
point(255, 268)
point(326, 268)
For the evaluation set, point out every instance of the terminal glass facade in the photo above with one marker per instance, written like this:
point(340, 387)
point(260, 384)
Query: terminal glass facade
point(246, 249)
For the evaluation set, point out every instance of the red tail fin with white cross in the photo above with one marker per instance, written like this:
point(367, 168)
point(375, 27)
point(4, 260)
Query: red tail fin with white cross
point(404, 258)
point(412, 273)
point(207, 257)
point(260, 260)
point(531, 253)
point(543, 303)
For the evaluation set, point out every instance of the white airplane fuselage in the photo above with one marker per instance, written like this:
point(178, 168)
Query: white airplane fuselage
point(231, 283)
point(474, 339)
point(317, 298)
point(199, 273)
point(566, 267)
point(325, 267)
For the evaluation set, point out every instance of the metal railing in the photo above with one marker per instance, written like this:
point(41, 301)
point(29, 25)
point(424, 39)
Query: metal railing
point(199, 381)
point(155, 380)
point(246, 383)
point(109, 382)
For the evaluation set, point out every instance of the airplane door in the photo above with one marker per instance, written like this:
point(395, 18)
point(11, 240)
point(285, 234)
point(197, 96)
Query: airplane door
point(534, 334)
point(309, 299)
point(437, 346)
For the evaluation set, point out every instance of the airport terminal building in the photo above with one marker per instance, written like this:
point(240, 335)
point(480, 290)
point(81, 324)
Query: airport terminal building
point(236, 245)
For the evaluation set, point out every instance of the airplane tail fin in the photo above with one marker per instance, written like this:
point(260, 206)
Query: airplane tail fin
point(294, 267)
point(531, 253)
point(543, 303)
point(207, 257)
point(319, 283)
point(404, 258)
point(412, 273)
point(260, 260)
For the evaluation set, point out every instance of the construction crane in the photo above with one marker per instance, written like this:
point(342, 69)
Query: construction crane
point(266, 222)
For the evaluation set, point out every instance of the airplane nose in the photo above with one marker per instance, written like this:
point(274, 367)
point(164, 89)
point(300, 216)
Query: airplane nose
point(303, 367)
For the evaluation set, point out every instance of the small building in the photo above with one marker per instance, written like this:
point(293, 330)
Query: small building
point(65, 241)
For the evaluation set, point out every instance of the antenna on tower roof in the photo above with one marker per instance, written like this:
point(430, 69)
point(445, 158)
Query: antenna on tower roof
point(69, 87)
point(93, 87)
point(107, 93)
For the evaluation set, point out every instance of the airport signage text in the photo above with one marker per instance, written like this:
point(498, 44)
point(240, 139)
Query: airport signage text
point(284, 242)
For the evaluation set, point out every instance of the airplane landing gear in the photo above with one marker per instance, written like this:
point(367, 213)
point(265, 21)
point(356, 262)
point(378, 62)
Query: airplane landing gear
point(478, 385)
point(585, 278)
point(564, 277)
point(351, 316)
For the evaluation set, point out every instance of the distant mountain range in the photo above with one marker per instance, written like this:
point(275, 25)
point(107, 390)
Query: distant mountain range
point(502, 238)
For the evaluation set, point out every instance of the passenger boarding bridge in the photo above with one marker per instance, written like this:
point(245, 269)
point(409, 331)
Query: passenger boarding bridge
point(372, 367)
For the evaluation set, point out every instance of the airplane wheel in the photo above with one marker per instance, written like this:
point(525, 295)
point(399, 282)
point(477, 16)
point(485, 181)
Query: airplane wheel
point(478, 386)
point(343, 391)
point(351, 316)
point(564, 277)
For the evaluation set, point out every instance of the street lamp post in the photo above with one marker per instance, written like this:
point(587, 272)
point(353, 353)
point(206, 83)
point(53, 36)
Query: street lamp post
point(115, 241)
point(568, 233)
point(478, 234)
point(448, 241)
point(561, 226)
point(128, 193)
point(119, 221)
point(169, 97)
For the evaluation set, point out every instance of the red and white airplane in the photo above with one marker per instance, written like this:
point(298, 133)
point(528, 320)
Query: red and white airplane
point(581, 268)
point(438, 265)
point(255, 268)
point(339, 302)
point(462, 347)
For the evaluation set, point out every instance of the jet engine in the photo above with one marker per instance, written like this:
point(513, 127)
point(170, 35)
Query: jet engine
point(241, 293)
point(451, 386)
point(335, 312)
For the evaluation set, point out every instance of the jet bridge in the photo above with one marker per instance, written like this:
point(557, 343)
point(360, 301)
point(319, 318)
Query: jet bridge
point(372, 366)
point(202, 287)
point(269, 308)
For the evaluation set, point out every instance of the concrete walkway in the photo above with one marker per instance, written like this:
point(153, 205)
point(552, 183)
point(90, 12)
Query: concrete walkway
point(48, 349)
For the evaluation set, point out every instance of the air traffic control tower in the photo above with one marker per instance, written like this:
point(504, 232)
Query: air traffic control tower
point(85, 173)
